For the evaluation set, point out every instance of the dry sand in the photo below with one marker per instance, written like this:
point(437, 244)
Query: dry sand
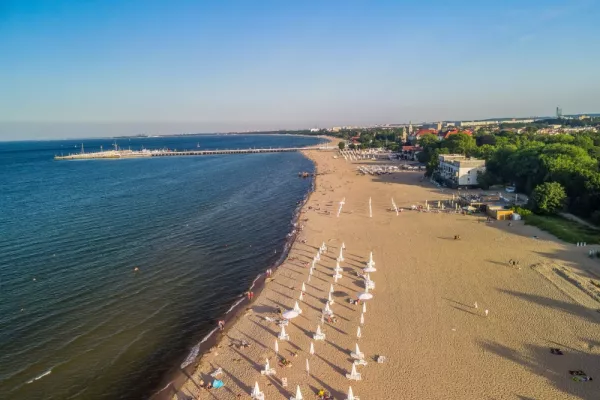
point(422, 318)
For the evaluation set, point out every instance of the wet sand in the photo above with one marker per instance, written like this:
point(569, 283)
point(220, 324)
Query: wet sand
point(423, 316)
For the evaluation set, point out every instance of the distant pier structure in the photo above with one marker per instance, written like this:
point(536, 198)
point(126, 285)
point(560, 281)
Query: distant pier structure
point(119, 154)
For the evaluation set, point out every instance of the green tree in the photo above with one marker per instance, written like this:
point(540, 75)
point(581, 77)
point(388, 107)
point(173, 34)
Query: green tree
point(434, 161)
point(342, 145)
point(548, 198)
point(428, 140)
point(460, 143)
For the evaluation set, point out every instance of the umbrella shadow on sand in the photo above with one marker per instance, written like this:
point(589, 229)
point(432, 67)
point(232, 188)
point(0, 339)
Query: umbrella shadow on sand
point(333, 366)
point(553, 368)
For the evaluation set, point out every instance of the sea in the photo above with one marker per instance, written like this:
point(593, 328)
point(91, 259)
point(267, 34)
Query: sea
point(76, 320)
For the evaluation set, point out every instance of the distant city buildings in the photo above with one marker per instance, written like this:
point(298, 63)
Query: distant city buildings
point(477, 123)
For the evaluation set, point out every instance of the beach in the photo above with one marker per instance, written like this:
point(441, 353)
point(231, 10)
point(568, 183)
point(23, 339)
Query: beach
point(428, 315)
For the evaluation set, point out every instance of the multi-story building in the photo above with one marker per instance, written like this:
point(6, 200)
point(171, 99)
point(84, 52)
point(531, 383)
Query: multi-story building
point(458, 170)
point(477, 123)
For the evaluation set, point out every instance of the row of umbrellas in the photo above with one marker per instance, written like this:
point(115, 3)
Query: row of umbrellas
point(296, 311)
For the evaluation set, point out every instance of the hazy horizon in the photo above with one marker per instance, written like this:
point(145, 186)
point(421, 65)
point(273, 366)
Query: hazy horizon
point(88, 69)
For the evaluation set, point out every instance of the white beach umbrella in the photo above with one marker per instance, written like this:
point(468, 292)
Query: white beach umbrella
point(327, 310)
point(267, 366)
point(350, 394)
point(331, 288)
point(297, 308)
point(369, 269)
point(319, 330)
point(290, 314)
point(298, 394)
point(364, 308)
point(312, 349)
point(256, 392)
point(301, 297)
point(371, 262)
point(307, 367)
point(329, 299)
point(362, 319)
point(277, 346)
point(343, 245)
point(365, 296)
point(353, 370)
point(358, 333)
point(303, 287)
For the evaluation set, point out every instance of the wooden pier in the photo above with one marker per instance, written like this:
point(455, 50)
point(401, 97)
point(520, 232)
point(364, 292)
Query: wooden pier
point(121, 154)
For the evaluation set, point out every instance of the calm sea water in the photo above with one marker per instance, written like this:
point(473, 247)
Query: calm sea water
point(76, 322)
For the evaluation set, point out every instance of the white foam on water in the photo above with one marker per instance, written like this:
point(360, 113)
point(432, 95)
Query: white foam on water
point(40, 376)
point(209, 334)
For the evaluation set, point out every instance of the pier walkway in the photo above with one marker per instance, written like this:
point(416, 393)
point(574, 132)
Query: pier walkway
point(118, 154)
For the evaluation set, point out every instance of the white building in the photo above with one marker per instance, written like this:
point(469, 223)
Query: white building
point(518, 121)
point(477, 123)
point(460, 170)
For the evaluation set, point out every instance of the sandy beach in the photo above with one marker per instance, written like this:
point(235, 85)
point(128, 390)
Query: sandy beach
point(423, 317)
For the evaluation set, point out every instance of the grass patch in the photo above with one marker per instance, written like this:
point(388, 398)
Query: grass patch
point(564, 229)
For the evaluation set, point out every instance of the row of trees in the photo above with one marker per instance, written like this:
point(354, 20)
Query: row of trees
point(528, 161)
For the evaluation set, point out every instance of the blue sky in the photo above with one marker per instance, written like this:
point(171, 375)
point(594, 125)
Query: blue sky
point(120, 67)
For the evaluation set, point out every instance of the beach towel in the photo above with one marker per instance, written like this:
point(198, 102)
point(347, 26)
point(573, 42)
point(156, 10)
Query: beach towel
point(217, 384)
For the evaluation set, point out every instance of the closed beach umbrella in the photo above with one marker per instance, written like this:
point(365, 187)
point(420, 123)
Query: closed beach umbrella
point(277, 346)
point(350, 394)
point(290, 314)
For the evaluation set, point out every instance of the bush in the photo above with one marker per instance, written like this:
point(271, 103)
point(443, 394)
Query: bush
point(523, 212)
point(342, 145)
point(548, 198)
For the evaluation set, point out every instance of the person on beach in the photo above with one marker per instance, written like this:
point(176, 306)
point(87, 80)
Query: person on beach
point(221, 324)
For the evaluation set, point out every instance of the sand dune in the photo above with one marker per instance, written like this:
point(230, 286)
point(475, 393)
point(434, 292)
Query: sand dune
point(422, 318)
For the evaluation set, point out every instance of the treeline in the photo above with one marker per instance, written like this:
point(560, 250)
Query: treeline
point(372, 138)
point(558, 171)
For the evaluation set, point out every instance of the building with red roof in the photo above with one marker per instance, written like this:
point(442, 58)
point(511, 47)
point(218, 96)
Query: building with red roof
point(446, 135)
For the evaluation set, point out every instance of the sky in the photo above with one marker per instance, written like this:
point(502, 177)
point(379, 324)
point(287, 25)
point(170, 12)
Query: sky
point(112, 67)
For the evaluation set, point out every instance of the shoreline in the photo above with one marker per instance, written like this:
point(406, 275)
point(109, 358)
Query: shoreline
point(429, 315)
point(177, 376)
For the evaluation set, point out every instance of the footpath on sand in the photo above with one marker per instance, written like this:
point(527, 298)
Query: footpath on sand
point(453, 319)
